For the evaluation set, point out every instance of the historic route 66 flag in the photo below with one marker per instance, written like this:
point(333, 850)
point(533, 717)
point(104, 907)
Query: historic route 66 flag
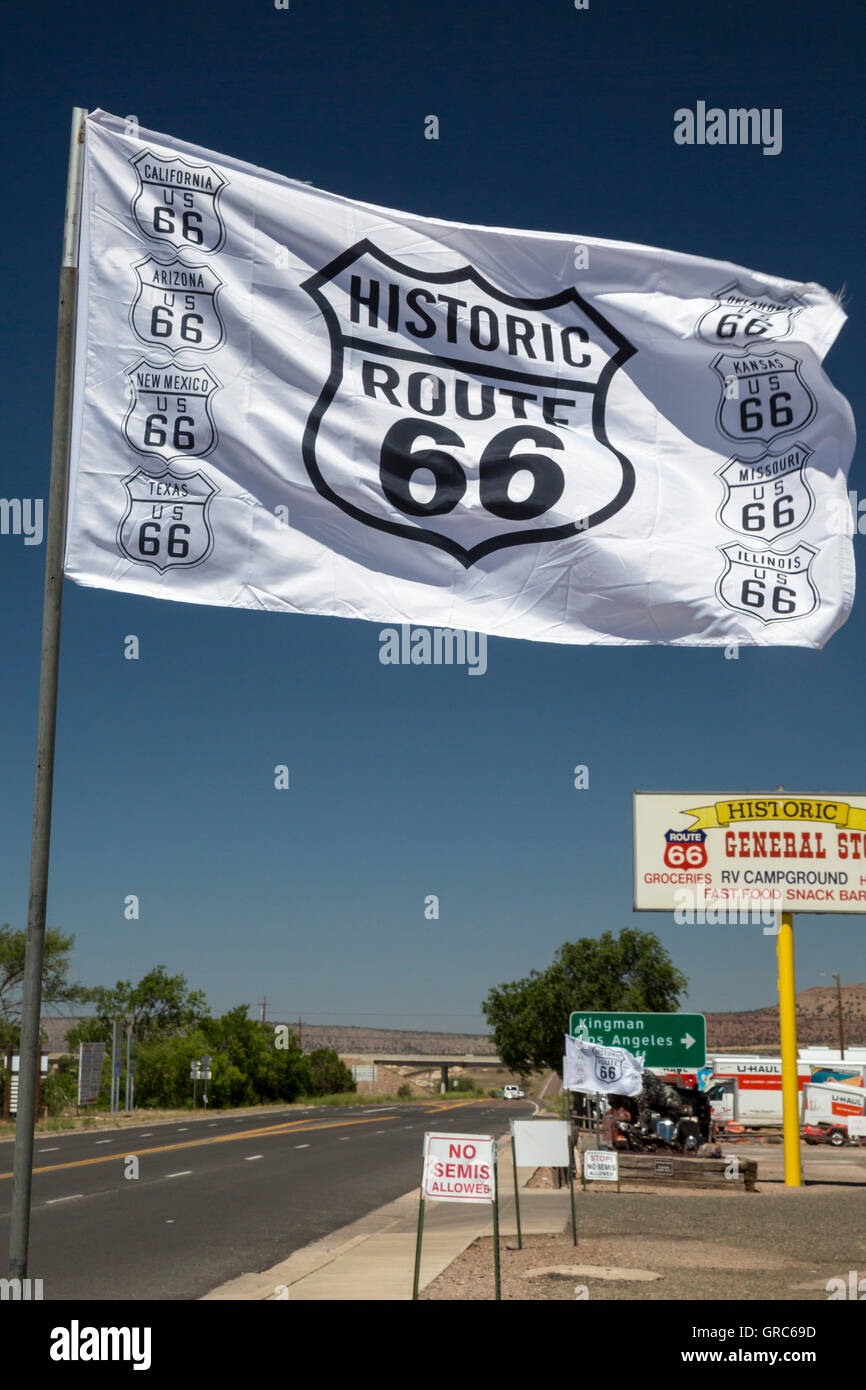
point(287, 400)
point(591, 1067)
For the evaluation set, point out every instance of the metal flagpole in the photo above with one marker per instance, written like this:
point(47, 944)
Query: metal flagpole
point(28, 1076)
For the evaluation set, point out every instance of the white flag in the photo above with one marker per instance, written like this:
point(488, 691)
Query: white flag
point(592, 1067)
point(288, 400)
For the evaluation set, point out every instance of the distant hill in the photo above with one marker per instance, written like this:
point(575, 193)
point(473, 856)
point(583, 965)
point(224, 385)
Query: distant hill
point(817, 1021)
point(726, 1032)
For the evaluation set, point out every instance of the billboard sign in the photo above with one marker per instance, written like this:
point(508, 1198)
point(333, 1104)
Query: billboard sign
point(749, 852)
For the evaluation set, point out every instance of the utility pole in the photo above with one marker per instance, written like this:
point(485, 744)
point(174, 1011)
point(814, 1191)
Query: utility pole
point(841, 1025)
point(300, 1035)
point(264, 1007)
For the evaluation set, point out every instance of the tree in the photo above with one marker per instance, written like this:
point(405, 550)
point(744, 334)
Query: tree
point(328, 1074)
point(57, 990)
point(160, 1005)
point(529, 1018)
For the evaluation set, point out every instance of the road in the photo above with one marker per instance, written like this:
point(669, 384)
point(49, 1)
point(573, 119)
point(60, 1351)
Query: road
point(215, 1198)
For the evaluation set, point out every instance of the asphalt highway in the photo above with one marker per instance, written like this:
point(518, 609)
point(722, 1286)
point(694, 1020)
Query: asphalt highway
point(217, 1197)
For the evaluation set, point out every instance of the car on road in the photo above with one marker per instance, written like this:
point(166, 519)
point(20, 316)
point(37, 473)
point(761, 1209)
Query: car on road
point(512, 1093)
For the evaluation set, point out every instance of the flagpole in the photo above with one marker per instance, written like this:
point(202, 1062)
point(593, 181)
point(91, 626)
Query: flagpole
point(28, 1074)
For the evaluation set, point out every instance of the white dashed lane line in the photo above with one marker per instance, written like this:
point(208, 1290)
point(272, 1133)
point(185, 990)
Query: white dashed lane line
point(105, 1141)
point(251, 1158)
point(184, 1174)
point(302, 1146)
point(71, 1198)
point(55, 1150)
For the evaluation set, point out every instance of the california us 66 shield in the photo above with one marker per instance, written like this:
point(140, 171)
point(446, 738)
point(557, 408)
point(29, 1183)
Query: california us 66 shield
point(177, 202)
point(166, 521)
point(522, 384)
point(169, 413)
point(767, 584)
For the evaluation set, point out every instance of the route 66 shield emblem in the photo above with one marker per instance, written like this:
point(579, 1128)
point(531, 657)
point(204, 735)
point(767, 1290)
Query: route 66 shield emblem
point(769, 498)
point(166, 521)
point(762, 397)
point(176, 306)
point(742, 319)
point(169, 414)
point(177, 202)
point(768, 585)
point(523, 384)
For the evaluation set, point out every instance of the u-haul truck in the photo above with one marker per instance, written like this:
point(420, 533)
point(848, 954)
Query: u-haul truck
point(748, 1091)
point(833, 1113)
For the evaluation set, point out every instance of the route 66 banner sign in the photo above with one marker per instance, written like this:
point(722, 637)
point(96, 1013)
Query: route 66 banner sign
point(287, 400)
point(590, 1067)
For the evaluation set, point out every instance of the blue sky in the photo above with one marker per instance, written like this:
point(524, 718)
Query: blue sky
point(409, 781)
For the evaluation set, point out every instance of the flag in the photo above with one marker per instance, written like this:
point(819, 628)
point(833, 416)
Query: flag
point(591, 1067)
point(288, 400)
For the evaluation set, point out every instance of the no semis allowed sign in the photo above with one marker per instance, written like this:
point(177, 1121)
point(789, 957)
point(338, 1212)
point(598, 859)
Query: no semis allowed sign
point(458, 1168)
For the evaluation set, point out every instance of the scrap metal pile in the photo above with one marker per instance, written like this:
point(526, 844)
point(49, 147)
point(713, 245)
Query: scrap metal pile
point(663, 1118)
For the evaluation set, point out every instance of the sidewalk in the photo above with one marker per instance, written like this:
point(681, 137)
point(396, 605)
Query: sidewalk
point(374, 1258)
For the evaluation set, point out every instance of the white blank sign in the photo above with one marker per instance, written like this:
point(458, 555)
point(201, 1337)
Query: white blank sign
point(540, 1143)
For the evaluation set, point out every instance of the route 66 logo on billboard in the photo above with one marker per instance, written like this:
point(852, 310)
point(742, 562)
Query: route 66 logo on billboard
point(166, 522)
point(685, 849)
point(177, 202)
point(768, 585)
point(762, 397)
point(742, 319)
point(176, 307)
point(169, 414)
point(769, 498)
point(523, 384)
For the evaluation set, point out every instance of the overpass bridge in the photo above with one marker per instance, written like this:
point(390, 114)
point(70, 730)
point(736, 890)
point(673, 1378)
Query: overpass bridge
point(424, 1061)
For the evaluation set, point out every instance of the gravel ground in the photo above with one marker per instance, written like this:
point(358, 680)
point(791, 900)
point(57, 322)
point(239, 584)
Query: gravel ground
point(713, 1246)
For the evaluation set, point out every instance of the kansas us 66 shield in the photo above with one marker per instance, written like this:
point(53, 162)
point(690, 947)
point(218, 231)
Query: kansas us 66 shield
point(768, 851)
point(378, 414)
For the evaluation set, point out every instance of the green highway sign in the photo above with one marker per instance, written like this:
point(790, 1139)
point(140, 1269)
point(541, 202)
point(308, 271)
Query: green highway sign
point(666, 1040)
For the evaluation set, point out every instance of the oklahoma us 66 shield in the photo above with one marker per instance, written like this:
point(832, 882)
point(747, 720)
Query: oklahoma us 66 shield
point(522, 383)
point(166, 522)
point(767, 584)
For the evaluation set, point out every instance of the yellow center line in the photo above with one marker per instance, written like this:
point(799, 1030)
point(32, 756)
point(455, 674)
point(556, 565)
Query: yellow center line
point(296, 1126)
point(456, 1106)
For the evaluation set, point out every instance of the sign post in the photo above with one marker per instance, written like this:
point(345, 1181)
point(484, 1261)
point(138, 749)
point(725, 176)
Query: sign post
point(459, 1168)
point(542, 1144)
point(788, 1037)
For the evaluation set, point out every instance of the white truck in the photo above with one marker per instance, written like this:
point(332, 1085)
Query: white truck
point(748, 1091)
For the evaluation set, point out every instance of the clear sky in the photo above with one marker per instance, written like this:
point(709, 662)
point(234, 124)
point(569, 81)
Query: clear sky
point(409, 781)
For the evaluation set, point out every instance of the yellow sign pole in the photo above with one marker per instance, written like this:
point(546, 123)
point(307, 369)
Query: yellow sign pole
point(788, 1032)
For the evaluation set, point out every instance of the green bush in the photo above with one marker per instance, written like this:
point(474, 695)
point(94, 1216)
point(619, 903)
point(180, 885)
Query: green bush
point(404, 1091)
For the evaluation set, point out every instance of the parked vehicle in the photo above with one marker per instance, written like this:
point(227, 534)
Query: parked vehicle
point(752, 1097)
point(512, 1093)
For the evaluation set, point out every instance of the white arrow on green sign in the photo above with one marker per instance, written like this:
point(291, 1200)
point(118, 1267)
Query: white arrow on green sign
point(666, 1040)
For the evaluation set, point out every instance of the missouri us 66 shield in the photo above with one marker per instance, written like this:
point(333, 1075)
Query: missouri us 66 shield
point(769, 585)
point(166, 521)
point(767, 499)
point(523, 384)
point(177, 202)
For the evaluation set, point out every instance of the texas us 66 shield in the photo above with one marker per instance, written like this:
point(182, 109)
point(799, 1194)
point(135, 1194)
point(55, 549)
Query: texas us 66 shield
point(524, 455)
